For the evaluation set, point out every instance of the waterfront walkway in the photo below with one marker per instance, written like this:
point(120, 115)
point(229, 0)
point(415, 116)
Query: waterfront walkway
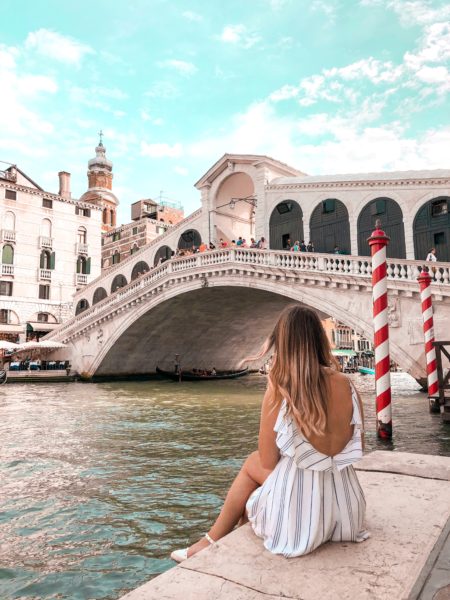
point(407, 557)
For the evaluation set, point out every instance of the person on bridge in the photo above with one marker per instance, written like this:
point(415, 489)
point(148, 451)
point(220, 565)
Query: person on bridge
point(299, 489)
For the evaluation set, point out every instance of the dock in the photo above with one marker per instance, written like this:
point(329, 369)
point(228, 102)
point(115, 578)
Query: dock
point(406, 558)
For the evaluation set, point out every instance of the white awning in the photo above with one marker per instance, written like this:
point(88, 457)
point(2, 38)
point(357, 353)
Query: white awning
point(41, 326)
point(8, 328)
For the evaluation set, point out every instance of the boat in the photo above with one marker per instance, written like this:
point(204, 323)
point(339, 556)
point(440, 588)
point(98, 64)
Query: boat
point(366, 371)
point(3, 377)
point(190, 376)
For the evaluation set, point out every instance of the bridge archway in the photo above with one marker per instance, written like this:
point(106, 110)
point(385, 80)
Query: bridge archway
point(188, 239)
point(286, 222)
point(139, 269)
point(330, 227)
point(234, 208)
point(391, 216)
point(81, 306)
point(431, 229)
point(99, 295)
point(163, 253)
point(118, 282)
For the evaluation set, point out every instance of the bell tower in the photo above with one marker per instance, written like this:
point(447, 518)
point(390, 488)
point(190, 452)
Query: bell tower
point(99, 191)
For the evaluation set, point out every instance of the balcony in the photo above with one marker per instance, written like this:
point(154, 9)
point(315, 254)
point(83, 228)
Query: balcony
point(7, 269)
point(81, 248)
point(44, 274)
point(8, 235)
point(80, 279)
point(45, 242)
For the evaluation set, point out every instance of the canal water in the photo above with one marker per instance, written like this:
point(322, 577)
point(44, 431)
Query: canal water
point(99, 482)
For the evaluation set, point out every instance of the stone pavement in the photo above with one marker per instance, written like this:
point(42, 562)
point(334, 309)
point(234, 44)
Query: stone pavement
point(407, 557)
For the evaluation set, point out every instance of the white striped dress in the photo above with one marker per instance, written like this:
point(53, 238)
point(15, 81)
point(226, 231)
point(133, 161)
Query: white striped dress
point(309, 498)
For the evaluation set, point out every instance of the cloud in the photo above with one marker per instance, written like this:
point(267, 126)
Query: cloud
point(163, 89)
point(190, 15)
point(239, 34)
point(91, 97)
point(181, 171)
point(181, 66)
point(58, 47)
point(326, 7)
point(161, 150)
point(413, 12)
point(145, 116)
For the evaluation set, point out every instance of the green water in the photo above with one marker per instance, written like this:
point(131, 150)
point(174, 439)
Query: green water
point(99, 482)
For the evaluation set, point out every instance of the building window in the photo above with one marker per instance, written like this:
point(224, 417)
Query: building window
point(116, 258)
point(5, 316)
point(439, 208)
point(8, 255)
point(82, 235)
point(328, 206)
point(42, 317)
point(6, 288)
point(83, 265)
point(378, 207)
point(10, 195)
point(84, 212)
point(134, 249)
point(44, 292)
point(135, 230)
point(47, 203)
point(116, 236)
point(47, 260)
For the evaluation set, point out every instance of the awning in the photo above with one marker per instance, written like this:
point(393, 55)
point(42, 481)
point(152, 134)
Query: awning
point(40, 326)
point(4, 328)
point(342, 352)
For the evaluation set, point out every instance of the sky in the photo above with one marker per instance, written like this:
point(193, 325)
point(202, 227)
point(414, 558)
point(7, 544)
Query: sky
point(327, 86)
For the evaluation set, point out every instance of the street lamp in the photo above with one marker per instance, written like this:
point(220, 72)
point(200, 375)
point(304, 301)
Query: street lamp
point(252, 200)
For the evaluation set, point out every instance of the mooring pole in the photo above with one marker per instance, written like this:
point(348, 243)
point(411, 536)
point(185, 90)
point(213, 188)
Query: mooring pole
point(378, 242)
point(424, 280)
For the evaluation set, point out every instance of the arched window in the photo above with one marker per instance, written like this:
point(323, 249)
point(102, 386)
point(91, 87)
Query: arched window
point(82, 305)
point(134, 249)
point(99, 295)
point(189, 239)
point(118, 282)
point(46, 228)
point(286, 223)
point(8, 254)
point(82, 265)
point(45, 261)
point(82, 235)
point(163, 254)
point(139, 269)
point(329, 227)
point(391, 216)
point(105, 216)
point(431, 229)
point(9, 221)
point(111, 217)
point(116, 258)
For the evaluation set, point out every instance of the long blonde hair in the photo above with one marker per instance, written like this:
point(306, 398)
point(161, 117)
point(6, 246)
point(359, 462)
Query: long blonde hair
point(301, 350)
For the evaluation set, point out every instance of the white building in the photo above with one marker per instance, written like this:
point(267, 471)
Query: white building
point(50, 248)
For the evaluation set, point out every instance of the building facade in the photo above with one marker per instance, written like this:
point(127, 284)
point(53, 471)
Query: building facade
point(150, 219)
point(50, 248)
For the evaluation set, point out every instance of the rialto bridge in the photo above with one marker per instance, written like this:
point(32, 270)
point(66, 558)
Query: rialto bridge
point(216, 308)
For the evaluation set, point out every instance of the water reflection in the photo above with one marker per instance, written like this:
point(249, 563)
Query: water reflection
point(100, 482)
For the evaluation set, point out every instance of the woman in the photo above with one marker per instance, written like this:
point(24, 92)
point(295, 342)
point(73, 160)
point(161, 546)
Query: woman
point(299, 489)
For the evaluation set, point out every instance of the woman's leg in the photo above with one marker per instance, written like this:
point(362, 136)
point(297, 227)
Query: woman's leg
point(250, 477)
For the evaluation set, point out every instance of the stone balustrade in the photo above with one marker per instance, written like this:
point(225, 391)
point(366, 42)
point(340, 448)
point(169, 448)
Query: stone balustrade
point(44, 274)
point(8, 235)
point(7, 269)
point(45, 241)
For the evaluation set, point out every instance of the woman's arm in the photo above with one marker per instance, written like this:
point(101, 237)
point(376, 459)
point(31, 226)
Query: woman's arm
point(268, 450)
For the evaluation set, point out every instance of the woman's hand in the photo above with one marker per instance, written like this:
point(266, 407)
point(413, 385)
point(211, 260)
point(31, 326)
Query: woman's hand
point(268, 449)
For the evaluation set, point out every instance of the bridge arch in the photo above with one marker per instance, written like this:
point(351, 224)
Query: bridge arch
point(118, 282)
point(286, 222)
point(139, 269)
point(162, 254)
point(391, 216)
point(330, 226)
point(81, 306)
point(431, 229)
point(189, 239)
point(234, 207)
point(99, 295)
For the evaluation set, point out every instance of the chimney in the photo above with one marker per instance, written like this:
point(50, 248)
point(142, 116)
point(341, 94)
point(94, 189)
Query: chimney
point(64, 184)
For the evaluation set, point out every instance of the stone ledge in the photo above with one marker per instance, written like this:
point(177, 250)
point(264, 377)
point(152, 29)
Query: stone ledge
point(406, 514)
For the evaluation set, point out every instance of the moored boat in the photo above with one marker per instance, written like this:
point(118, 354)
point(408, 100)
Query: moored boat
point(366, 371)
point(191, 376)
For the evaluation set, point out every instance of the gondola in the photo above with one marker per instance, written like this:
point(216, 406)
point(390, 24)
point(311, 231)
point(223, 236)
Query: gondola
point(3, 377)
point(190, 376)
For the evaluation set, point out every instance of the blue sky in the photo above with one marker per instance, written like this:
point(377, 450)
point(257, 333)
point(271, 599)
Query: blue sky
point(329, 86)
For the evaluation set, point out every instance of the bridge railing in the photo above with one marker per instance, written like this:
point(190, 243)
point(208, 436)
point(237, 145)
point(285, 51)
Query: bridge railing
point(358, 267)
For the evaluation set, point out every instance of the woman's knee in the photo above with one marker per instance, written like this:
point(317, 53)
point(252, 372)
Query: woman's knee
point(252, 467)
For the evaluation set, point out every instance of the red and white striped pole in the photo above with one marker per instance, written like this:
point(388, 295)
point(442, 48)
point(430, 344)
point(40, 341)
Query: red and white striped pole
point(378, 242)
point(424, 280)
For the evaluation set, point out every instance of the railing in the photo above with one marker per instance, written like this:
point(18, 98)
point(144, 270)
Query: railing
point(8, 235)
point(44, 274)
point(45, 242)
point(81, 248)
point(7, 269)
point(8, 175)
point(80, 279)
point(354, 269)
